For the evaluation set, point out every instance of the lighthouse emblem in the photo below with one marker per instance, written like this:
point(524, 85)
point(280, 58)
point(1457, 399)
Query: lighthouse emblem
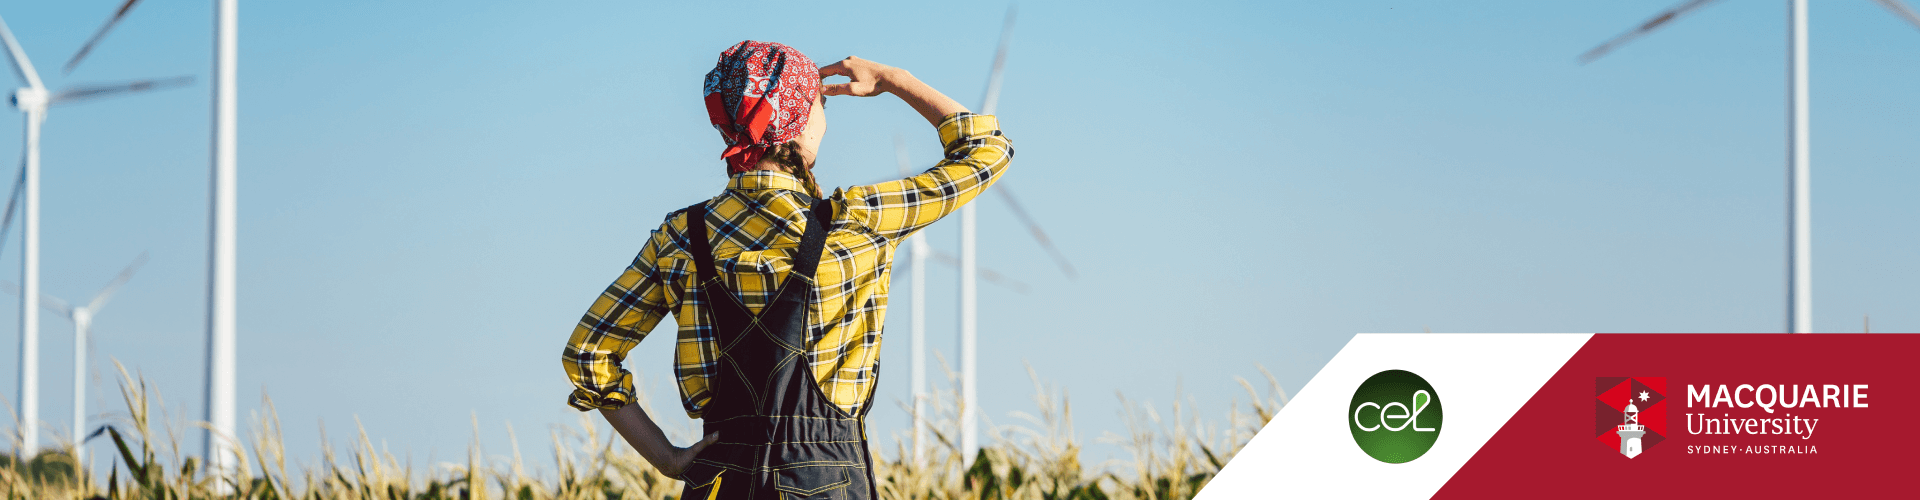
point(1630, 413)
point(1631, 431)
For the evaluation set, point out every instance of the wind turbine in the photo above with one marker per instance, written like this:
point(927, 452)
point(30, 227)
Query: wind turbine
point(969, 265)
point(918, 251)
point(82, 318)
point(1799, 172)
point(33, 101)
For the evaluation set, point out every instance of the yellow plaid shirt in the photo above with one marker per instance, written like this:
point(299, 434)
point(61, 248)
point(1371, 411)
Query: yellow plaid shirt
point(755, 226)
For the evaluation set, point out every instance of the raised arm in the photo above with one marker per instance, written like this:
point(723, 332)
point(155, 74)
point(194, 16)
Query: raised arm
point(975, 153)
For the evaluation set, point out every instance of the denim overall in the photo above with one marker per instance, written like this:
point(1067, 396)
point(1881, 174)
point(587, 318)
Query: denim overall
point(779, 435)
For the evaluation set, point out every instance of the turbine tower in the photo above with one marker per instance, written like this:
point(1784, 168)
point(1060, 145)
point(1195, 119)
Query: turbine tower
point(1799, 170)
point(82, 318)
point(33, 101)
point(220, 259)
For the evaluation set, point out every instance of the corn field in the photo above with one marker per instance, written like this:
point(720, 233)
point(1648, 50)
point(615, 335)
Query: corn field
point(1172, 456)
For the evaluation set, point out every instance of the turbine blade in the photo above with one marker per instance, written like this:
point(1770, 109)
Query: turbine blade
point(992, 98)
point(6, 221)
point(49, 302)
point(1901, 9)
point(100, 299)
point(21, 66)
point(54, 304)
point(996, 278)
point(1034, 228)
point(89, 92)
point(88, 47)
point(1647, 27)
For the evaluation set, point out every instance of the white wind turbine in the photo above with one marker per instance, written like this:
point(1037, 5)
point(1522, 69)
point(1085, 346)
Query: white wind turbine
point(969, 270)
point(1799, 172)
point(33, 101)
point(82, 318)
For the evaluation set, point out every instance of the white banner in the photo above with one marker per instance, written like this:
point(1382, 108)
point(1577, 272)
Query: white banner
point(1309, 450)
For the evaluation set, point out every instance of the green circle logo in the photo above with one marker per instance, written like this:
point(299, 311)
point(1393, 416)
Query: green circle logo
point(1395, 416)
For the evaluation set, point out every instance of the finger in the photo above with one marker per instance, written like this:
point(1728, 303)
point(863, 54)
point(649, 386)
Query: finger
point(836, 69)
point(849, 88)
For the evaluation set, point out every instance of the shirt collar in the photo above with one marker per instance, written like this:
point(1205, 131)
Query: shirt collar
point(757, 180)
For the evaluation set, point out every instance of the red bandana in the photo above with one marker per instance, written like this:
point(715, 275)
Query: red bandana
point(760, 94)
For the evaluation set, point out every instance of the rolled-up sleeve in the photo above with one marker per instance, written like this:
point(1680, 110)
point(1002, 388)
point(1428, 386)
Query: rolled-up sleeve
point(976, 153)
point(618, 319)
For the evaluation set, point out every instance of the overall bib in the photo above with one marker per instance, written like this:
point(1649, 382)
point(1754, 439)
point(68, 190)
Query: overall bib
point(780, 437)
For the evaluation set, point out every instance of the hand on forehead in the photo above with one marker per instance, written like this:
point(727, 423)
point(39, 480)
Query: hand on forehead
point(863, 77)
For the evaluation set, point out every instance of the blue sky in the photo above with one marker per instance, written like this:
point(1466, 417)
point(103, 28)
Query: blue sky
point(432, 193)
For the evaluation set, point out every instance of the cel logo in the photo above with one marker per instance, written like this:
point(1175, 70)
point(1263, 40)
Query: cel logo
point(1395, 416)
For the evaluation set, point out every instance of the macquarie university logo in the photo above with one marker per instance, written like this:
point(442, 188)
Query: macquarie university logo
point(1630, 413)
point(1395, 416)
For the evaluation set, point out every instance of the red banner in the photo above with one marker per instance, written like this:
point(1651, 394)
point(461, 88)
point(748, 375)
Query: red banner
point(1712, 416)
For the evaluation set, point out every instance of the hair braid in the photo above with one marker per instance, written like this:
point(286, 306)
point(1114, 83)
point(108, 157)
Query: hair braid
point(787, 155)
point(806, 179)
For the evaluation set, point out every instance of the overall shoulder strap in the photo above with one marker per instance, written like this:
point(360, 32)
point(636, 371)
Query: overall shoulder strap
point(697, 243)
point(806, 258)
